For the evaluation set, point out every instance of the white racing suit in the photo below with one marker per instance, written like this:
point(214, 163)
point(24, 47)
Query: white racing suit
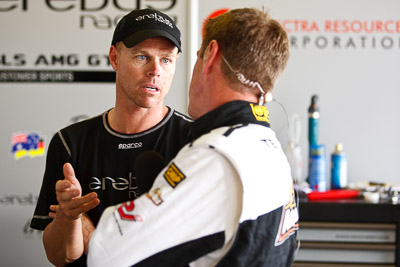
point(226, 199)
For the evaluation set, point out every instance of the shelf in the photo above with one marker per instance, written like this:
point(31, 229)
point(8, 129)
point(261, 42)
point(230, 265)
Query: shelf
point(348, 233)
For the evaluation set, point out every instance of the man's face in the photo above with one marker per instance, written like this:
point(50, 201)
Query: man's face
point(144, 72)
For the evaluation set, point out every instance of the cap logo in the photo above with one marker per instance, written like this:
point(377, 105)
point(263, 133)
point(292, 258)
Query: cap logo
point(156, 18)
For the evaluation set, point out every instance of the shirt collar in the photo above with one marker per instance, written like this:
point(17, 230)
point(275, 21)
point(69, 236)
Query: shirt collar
point(231, 113)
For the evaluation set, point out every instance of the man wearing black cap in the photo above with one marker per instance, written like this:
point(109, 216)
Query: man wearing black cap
point(101, 151)
point(227, 198)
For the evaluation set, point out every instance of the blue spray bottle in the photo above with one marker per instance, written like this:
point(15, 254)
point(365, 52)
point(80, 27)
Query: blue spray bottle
point(338, 168)
point(317, 154)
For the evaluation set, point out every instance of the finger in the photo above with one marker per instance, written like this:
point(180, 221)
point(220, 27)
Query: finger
point(63, 185)
point(85, 199)
point(54, 208)
point(67, 196)
point(76, 202)
point(53, 211)
point(69, 173)
point(79, 210)
point(90, 205)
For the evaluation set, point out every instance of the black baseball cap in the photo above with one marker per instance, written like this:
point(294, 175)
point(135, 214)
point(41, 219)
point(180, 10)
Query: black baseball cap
point(142, 24)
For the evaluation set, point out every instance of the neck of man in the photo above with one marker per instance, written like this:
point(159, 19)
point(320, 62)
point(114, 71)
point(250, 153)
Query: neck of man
point(135, 119)
point(222, 92)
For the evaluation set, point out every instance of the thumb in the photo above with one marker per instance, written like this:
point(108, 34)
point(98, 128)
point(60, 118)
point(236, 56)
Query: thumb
point(69, 175)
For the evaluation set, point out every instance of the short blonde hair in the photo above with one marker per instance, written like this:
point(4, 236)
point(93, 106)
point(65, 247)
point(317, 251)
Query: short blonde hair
point(253, 44)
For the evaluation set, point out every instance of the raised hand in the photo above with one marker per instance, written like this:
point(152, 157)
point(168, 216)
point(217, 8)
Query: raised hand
point(69, 196)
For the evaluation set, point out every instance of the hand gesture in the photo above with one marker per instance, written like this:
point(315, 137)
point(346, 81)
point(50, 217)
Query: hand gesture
point(69, 196)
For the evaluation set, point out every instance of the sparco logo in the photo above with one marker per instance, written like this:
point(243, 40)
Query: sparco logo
point(130, 145)
point(156, 18)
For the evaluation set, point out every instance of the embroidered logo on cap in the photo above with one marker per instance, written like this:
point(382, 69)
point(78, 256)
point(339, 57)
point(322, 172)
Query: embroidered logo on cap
point(156, 17)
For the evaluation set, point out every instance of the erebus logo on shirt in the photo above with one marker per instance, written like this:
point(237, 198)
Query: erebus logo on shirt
point(120, 184)
point(130, 145)
point(289, 220)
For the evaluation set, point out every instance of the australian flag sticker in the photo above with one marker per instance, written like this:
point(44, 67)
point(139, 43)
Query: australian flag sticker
point(27, 145)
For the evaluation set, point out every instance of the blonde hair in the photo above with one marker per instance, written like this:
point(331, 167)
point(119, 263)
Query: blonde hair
point(254, 45)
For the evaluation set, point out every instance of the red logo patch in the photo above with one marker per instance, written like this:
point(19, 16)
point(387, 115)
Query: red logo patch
point(126, 212)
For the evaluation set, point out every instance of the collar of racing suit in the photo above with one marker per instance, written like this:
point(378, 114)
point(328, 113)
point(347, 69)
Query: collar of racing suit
point(229, 114)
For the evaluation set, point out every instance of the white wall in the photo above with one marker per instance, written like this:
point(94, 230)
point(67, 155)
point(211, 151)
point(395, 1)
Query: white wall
point(357, 78)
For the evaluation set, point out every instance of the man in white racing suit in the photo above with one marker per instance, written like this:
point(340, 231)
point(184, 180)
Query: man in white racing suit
point(227, 198)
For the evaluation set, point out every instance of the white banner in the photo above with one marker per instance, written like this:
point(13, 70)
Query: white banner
point(54, 71)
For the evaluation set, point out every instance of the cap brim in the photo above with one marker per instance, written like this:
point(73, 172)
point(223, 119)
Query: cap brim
point(140, 36)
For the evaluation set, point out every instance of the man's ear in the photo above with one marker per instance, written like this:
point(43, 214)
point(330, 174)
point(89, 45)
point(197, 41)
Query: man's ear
point(210, 56)
point(113, 56)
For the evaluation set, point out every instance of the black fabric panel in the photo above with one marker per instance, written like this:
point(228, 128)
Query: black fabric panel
point(185, 253)
point(254, 244)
